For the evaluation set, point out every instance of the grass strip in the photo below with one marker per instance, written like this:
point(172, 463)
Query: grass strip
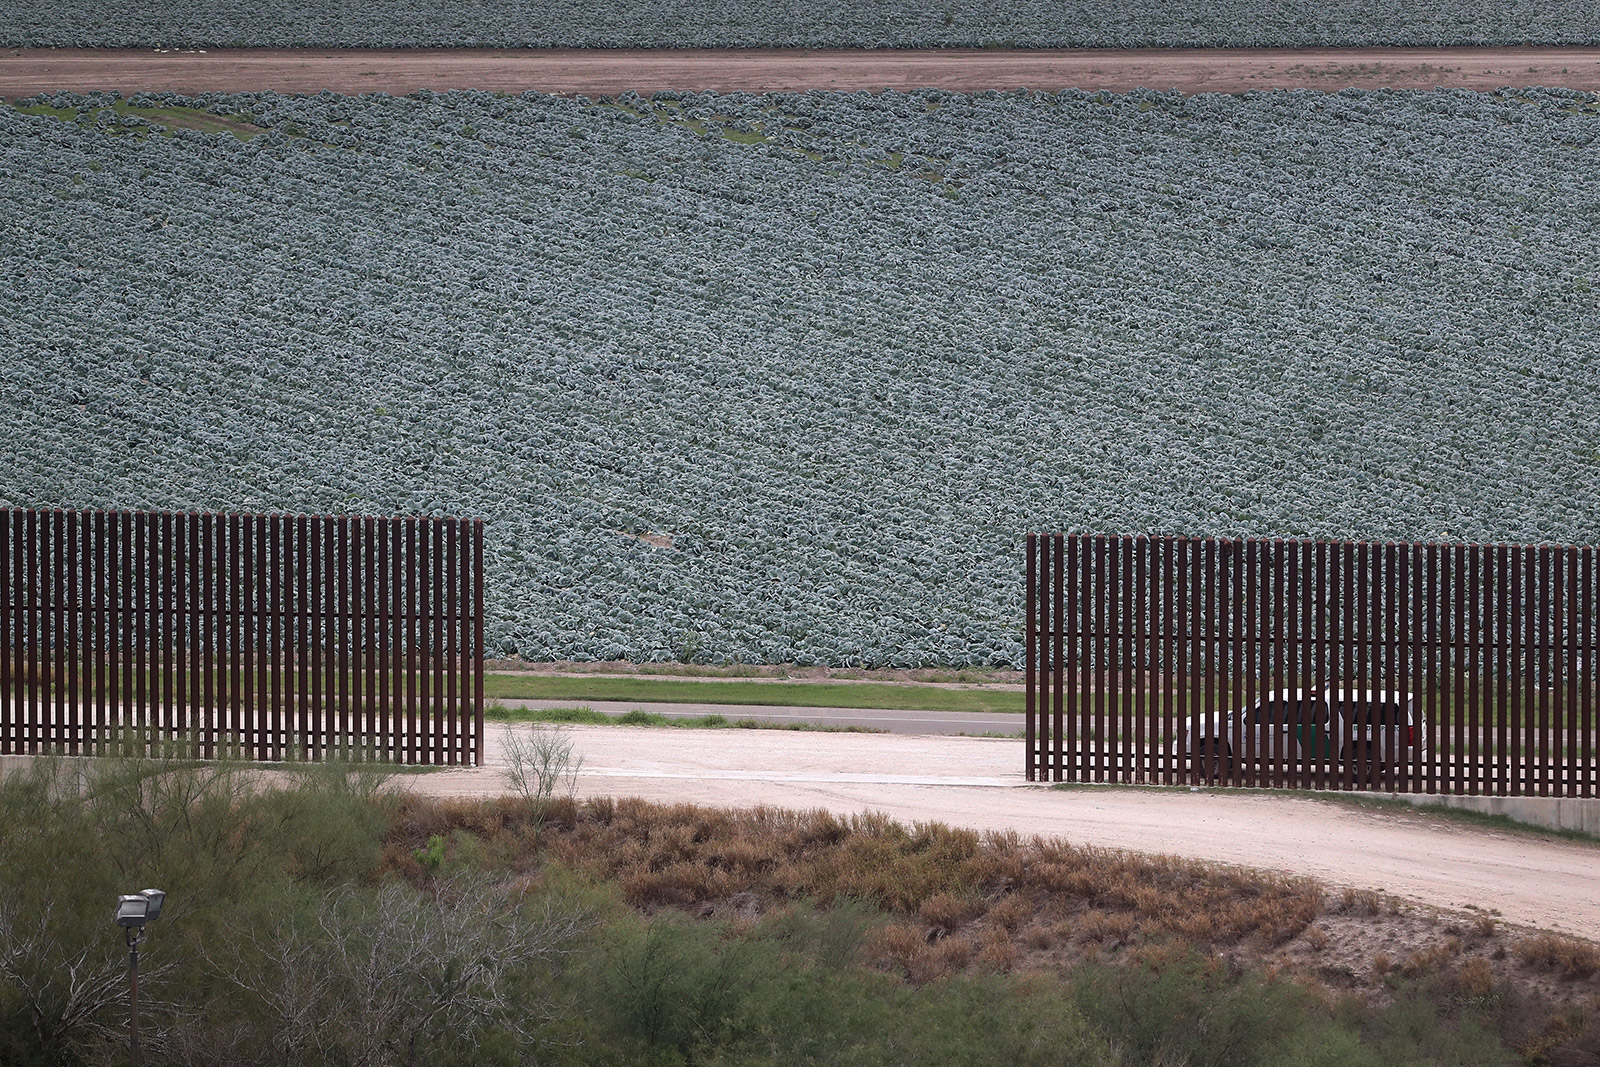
point(765, 694)
point(640, 717)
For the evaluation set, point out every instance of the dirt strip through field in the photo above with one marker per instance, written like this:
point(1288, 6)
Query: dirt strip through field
point(978, 783)
point(24, 72)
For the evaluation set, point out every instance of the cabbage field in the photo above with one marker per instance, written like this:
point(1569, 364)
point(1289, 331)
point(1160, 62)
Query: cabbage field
point(799, 23)
point(788, 377)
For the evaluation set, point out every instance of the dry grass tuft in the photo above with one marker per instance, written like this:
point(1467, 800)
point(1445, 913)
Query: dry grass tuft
point(1566, 956)
point(1475, 978)
point(1359, 902)
point(950, 912)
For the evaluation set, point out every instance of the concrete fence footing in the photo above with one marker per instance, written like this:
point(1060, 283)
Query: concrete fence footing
point(1552, 813)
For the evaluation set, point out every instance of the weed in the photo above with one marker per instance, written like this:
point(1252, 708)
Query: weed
point(540, 766)
point(1567, 956)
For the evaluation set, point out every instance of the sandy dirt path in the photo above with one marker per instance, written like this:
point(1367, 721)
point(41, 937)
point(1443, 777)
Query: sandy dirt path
point(24, 72)
point(976, 783)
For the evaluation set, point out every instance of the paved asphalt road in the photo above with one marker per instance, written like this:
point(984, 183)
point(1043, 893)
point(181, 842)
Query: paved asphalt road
point(887, 720)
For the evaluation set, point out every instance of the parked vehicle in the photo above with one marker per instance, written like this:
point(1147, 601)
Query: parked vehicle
point(1336, 726)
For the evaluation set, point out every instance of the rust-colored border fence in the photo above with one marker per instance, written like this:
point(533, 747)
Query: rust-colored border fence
point(1439, 668)
point(259, 636)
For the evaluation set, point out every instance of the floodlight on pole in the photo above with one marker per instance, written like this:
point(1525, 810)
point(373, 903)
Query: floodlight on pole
point(133, 911)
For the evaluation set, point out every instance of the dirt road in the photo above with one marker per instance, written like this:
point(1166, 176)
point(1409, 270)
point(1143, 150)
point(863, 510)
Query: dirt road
point(976, 783)
point(24, 72)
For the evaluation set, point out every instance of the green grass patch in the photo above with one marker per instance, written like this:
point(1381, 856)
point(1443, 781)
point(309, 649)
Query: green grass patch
point(766, 694)
point(641, 717)
point(185, 118)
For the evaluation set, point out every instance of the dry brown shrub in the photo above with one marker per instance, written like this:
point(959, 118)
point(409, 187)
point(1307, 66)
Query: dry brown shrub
point(1196, 925)
point(896, 944)
point(1382, 964)
point(676, 885)
point(1041, 938)
point(1107, 926)
point(952, 954)
point(1475, 978)
point(1483, 926)
point(1430, 960)
point(1316, 939)
point(949, 911)
point(1013, 911)
point(1567, 956)
point(905, 950)
point(1000, 957)
point(1360, 902)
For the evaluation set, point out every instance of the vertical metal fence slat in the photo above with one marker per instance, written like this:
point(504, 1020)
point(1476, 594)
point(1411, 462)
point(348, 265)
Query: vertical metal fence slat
point(1127, 618)
point(332, 643)
point(1161, 727)
point(338, 638)
point(464, 634)
point(1455, 557)
point(312, 614)
point(394, 641)
point(437, 719)
point(1047, 626)
point(250, 657)
point(163, 684)
point(212, 628)
point(428, 714)
point(478, 650)
point(1285, 674)
point(8, 633)
point(1571, 783)
point(1030, 637)
point(233, 727)
point(187, 598)
point(1058, 652)
point(56, 704)
point(1101, 655)
point(28, 597)
point(73, 616)
point(1230, 676)
point(1549, 596)
point(1500, 714)
point(298, 645)
point(1388, 680)
point(424, 683)
point(1145, 592)
point(1359, 714)
point(408, 637)
point(1527, 709)
point(1584, 669)
point(452, 535)
point(1249, 714)
point(1470, 670)
point(1199, 655)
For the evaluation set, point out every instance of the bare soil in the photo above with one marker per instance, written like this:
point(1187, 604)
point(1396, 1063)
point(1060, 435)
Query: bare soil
point(24, 72)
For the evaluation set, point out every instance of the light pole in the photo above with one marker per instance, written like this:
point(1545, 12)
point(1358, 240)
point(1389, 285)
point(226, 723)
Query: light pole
point(133, 911)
